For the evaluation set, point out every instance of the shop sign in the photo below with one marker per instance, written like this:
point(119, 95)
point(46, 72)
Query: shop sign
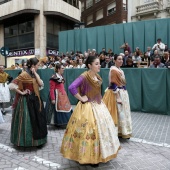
point(52, 52)
point(18, 53)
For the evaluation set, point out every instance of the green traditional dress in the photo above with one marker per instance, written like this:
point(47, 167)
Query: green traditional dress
point(28, 126)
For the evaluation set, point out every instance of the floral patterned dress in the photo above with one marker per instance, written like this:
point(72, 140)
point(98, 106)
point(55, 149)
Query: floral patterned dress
point(90, 136)
point(121, 113)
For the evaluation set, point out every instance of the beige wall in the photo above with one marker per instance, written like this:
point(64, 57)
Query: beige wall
point(40, 32)
point(62, 7)
point(18, 5)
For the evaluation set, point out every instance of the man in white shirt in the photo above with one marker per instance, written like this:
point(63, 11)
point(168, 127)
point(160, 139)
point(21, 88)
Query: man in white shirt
point(159, 46)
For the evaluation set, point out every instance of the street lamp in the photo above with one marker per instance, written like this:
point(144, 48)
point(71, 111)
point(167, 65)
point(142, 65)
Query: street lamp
point(82, 25)
point(79, 25)
point(76, 26)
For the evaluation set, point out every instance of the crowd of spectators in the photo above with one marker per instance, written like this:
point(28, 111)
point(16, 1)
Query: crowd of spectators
point(155, 57)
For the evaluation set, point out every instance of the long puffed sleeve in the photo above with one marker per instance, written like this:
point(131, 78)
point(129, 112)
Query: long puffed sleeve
point(75, 84)
point(52, 88)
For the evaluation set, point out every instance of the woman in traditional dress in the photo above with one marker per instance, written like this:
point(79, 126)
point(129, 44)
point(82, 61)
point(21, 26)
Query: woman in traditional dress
point(28, 126)
point(117, 100)
point(90, 136)
point(4, 90)
point(58, 107)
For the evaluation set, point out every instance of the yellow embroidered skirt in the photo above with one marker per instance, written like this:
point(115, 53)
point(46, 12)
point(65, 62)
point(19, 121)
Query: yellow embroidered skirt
point(109, 99)
point(120, 112)
point(90, 136)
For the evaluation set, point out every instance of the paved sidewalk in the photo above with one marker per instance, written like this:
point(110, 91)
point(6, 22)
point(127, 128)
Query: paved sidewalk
point(148, 149)
point(151, 127)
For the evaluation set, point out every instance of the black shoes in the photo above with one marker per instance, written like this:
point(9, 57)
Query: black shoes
point(94, 165)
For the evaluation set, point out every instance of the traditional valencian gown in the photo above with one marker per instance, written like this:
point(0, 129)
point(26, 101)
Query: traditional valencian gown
point(28, 126)
point(90, 136)
point(120, 113)
point(60, 112)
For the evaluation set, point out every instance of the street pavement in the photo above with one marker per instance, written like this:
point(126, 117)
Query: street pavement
point(148, 149)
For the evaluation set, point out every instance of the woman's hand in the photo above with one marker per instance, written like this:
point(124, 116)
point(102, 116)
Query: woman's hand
point(53, 101)
point(84, 99)
point(25, 92)
point(33, 71)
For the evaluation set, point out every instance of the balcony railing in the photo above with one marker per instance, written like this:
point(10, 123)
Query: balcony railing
point(168, 6)
point(154, 6)
point(4, 1)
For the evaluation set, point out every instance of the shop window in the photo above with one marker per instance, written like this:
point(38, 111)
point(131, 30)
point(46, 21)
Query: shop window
point(50, 28)
point(89, 3)
point(111, 8)
point(53, 27)
point(99, 14)
point(73, 2)
point(4, 1)
point(124, 7)
point(89, 19)
point(26, 27)
point(111, 11)
point(19, 35)
point(82, 6)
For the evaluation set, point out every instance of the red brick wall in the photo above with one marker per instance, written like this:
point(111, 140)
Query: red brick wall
point(116, 17)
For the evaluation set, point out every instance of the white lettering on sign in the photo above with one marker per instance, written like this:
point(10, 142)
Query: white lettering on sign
point(21, 53)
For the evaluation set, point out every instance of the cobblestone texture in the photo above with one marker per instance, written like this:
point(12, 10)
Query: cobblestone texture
point(149, 149)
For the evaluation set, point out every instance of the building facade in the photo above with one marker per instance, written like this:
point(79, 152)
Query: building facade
point(103, 12)
point(148, 9)
point(30, 27)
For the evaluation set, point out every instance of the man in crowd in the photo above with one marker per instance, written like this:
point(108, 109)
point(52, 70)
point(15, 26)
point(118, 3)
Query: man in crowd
point(126, 47)
point(107, 63)
point(160, 47)
point(103, 51)
point(126, 56)
point(157, 63)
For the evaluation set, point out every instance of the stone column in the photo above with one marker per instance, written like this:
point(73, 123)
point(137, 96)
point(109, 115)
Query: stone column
point(40, 32)
point(2, 58)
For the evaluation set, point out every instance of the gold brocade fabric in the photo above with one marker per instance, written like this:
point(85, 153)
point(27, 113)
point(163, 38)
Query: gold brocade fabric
point(120, 112)
point(93, 91)
point(24, 77)
point(90, 136)
point(3, 77)
point(109, 99)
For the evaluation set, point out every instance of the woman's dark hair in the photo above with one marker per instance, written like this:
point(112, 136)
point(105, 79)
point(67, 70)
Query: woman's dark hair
point(32, 61)
point(116, 56)
point(90, 60)
point(57, 66)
